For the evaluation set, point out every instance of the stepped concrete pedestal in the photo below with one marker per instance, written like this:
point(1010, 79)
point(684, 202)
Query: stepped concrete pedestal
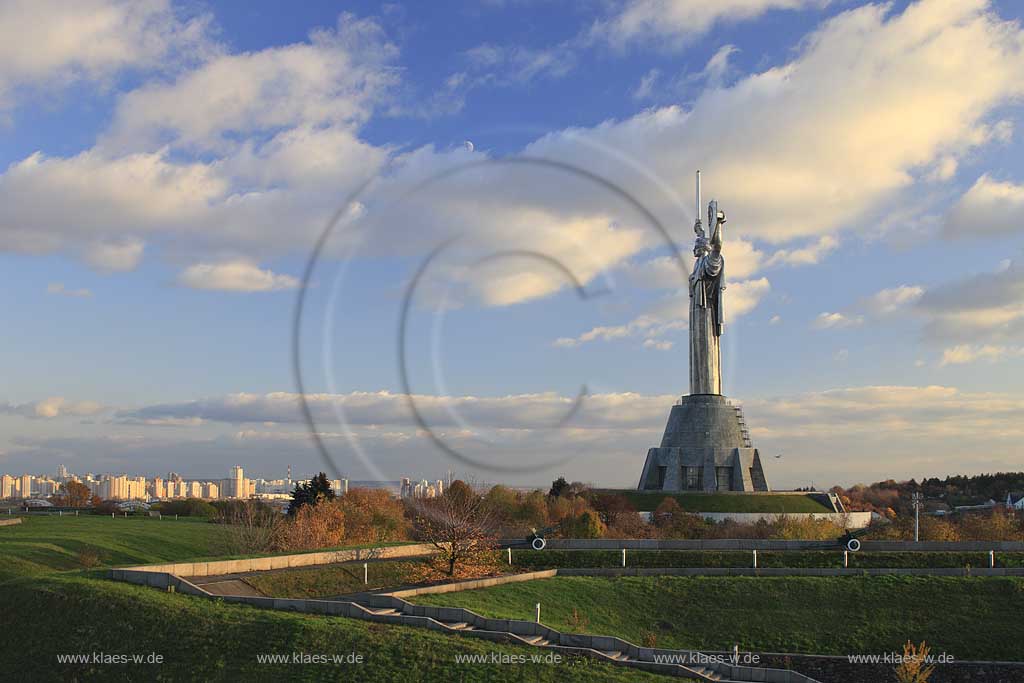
point(706, 447)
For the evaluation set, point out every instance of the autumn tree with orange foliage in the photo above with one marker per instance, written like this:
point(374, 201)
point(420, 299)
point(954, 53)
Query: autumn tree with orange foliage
point(313, 527)
point(373, 516)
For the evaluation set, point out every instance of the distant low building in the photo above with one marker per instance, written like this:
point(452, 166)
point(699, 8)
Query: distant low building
point(1015, 500)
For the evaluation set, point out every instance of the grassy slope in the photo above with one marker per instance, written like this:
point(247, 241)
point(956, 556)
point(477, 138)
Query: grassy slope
point(839, 615)
point(526, 560)
point(331, 580)
point(48, 608)
point(714, 502)
point(206, 640)
point(44, 544)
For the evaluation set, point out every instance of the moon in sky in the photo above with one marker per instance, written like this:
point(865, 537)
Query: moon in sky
point(469, 146)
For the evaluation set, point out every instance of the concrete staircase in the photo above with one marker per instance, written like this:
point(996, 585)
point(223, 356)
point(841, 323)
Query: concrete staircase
point(613, 650)
point(391, 609)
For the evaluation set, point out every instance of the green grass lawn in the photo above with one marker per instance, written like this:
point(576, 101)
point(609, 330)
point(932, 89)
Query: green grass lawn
point(719, 502)
point(206, 640)
point(49, 606)
point(330, 580)
point(49, 543)
point(821, 615)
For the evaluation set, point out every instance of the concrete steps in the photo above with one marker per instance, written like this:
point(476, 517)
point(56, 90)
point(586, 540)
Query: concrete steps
point(614, 654)
point(689, 672)
point(459, 625)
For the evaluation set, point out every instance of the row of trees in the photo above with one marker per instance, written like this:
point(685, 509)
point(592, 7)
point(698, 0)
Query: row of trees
point(892, 498)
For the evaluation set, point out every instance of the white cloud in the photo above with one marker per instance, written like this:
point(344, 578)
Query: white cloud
point(335, 78)
point(978, 308)
point(829, 320)
point(645, 89)
point(718, 67)
point(50, 203)
point(742, 297)
point(120, 255)
point(59, 288)
point(814, 146)
point(890, 300)
point(504, 64)
point(877, 96)
point(775, 320)
point(46, 44)
point(924, 429)
point(526, 411)
point(284, 154)
point(658, 344)
point(944, 169)
point(55, 406)
point(647, 325)
point(807, 255)
point(235, 276)
point(970, 353)
point(989, 207)
point(677, 22)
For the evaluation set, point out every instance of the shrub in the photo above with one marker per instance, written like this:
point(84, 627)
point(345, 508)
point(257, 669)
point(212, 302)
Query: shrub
point(373, 516)
point(312, 527)
point(912, 669)
point(586, 525)
point(189, 507)
point(577, 621)
point(250, 527)
point(89, 557)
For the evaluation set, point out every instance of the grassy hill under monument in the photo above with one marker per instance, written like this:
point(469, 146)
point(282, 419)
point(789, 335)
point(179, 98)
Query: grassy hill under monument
point(693, 501)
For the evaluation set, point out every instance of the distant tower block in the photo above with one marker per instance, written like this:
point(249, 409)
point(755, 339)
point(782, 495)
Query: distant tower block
point(706, 446)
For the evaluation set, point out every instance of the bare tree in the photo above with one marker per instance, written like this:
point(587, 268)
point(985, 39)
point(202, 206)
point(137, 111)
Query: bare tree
point(460, 524)
point(249, 527)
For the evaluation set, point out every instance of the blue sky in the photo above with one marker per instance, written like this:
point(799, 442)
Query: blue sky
point(166, 169)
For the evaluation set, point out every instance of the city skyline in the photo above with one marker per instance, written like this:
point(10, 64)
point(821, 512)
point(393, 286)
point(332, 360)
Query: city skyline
point(122, 486)
point(156, 238)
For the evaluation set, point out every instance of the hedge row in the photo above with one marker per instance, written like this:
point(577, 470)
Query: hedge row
point(593, 559)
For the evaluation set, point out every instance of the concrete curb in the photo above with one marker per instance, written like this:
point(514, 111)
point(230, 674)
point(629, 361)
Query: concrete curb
point(762, 544)
point(258, 564)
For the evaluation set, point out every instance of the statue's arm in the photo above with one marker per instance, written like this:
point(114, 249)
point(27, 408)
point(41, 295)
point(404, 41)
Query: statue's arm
point(716, 238)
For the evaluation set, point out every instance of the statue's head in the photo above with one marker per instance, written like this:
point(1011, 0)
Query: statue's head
point(701, 246)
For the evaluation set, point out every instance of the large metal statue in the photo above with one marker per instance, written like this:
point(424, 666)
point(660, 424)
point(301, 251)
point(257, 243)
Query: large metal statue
point(707, 282)
point(706, 445)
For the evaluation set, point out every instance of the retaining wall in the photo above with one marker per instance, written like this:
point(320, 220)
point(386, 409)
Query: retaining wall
point(793, 571)
point(257, 564)
point(763, 544)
